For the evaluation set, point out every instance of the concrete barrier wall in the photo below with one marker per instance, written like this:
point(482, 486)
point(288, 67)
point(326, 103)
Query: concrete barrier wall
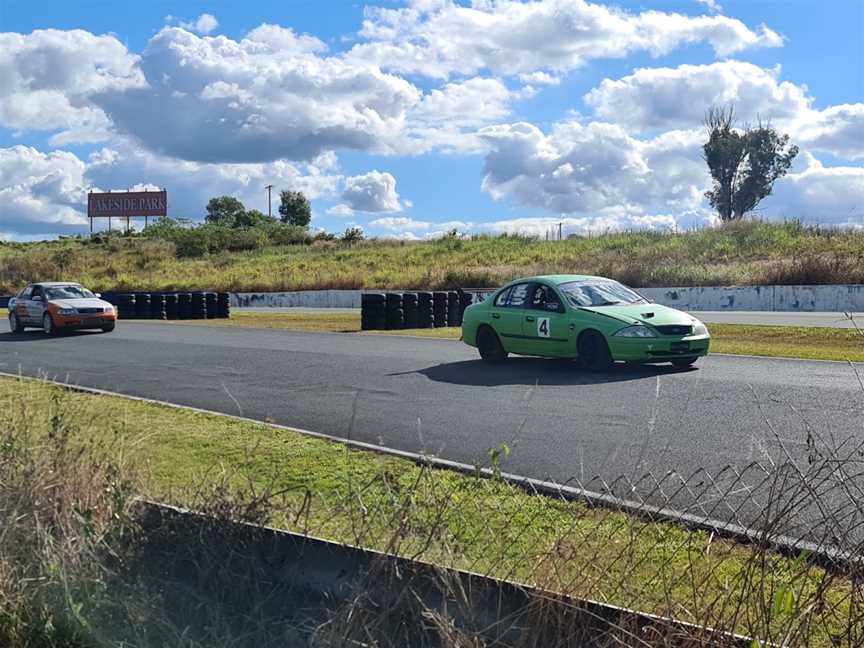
point(834, 298)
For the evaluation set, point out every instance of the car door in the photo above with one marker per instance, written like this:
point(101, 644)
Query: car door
point(507, 311)
point(21, 302)
point(36, 306)
point(546, 326)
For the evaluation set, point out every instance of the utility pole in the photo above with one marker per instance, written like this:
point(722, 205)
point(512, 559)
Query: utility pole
point(269, 189)
point(559, 230)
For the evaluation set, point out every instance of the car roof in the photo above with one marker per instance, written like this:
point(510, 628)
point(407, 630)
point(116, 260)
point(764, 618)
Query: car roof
point(557, 280)
point(46, 284)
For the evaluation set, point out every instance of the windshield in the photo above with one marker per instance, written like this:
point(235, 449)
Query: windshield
point(68, 292)
point(594, 292)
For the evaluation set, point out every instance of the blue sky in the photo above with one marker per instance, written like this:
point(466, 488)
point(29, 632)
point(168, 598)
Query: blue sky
point(411, 119)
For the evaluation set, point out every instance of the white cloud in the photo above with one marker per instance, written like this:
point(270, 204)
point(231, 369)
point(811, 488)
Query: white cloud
point(585, 168)
point(838, 130)
point(46, 192)
point(41, 193)
point(654, 98)
point(662, 98)
point(49, 76)
point(712, 5)
point(268, 96)
point(439, 39)
point(341, 210)
point(401, 224)
point(820, 194)
point(610, 221)
point(539, 79)
point(372, 192)
point(206, 23)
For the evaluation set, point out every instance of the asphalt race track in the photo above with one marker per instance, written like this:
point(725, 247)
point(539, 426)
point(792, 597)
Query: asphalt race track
point(436, 396)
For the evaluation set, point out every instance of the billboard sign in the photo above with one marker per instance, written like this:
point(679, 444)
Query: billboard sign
point(127, 204)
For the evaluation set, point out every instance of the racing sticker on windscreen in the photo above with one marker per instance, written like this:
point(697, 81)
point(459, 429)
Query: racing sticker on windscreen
point(542, 327)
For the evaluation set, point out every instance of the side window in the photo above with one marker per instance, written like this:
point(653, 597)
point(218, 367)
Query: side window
point(546, 299)
point(519, 296)
point(26, 293)
point(37, 292)
point(501, 299)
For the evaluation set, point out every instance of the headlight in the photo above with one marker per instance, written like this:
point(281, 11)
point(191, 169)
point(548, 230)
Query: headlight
point(66, 311)
point(636, 331)
point(699, 328)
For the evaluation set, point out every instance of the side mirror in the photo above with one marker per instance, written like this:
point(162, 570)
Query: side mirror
point(98, 295)
point(37, 298)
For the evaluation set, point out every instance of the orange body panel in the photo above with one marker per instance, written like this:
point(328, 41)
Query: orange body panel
point(79, 321)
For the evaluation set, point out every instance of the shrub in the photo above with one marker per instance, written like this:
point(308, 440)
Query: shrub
point(244, 239)
point(288, 235)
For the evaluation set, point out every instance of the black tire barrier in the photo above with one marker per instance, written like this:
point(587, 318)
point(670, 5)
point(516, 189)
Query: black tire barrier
point(211, 300)
point(171, 310)
point(425, 316)
point(184, 306)
point(4, 301)
point(439, 309)
point(454, 312)
point(125, 305)
point(223, 305)
point(157, 306)
point(395, 319)
point(373, 312)
point(394, 311)
point(142, 305)
point(410, 308)
point(199, 306)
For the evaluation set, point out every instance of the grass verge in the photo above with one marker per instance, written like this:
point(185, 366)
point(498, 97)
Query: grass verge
point(484, 525)
point(811, 343)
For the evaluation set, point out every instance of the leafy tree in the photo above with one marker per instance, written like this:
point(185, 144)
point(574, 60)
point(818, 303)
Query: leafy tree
point(295, 208)
point(744, 163)
point(224, 210)
point(353, 235)
point(253, 218)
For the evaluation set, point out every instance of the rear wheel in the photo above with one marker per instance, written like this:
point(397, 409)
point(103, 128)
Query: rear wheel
point(683, 362)
point(15, 324)
point(108, 327)
point(594, 352)
point(490, 346)
point(48, 324)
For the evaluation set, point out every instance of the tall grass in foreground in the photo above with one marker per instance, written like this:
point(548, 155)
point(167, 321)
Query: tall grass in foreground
point(78, 570)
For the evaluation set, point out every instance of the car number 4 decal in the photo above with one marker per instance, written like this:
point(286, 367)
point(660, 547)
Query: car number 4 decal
point(542, 327)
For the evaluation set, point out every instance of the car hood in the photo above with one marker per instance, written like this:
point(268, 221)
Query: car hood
point(653, 314)
point(90, 302)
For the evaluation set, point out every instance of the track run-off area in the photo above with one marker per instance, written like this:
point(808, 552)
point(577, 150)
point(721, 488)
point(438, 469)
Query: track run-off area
point(436, 397)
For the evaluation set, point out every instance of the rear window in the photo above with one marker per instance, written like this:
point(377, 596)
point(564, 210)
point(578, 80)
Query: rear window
point(519, 296)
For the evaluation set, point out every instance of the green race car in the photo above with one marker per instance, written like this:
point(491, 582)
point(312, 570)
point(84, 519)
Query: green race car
point(597, 320)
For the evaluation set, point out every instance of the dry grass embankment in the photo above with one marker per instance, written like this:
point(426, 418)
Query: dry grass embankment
point(746, 253)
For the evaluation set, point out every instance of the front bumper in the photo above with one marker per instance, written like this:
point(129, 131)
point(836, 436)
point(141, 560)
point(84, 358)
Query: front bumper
point(84, 321)
point(659, 349)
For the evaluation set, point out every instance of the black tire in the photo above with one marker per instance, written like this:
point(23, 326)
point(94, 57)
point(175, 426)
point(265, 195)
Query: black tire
point(490, 346)
point(48, 324)
point(594, 352)
point(15, 324)
point(108, 327)
point(683, 363)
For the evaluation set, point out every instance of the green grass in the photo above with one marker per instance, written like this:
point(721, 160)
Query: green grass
point(743, 253)
point(811, 343)
point(485, 525)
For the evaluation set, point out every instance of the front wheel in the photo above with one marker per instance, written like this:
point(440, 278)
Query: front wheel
point(490, 346)
point(48, 324)
point(683, 362)
point(15, 324)
point(594, 352)
point(108, 327)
